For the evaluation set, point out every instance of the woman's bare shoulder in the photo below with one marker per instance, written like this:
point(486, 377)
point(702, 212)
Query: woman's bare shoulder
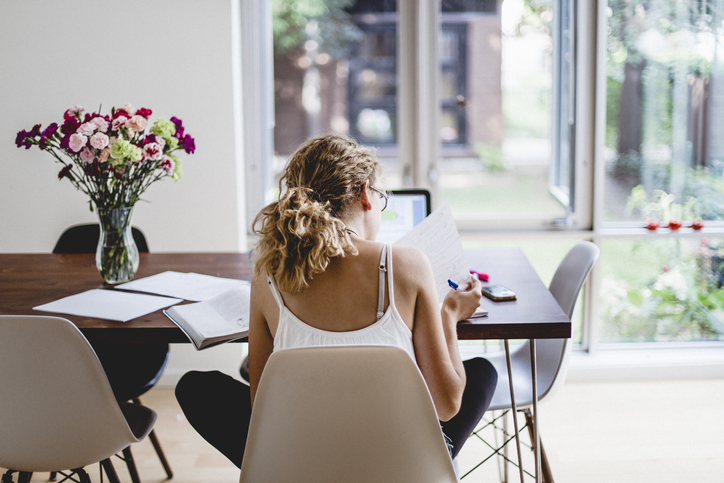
point(410, 262)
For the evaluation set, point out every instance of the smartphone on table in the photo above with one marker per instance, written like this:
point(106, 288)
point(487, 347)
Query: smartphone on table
point(498, 293)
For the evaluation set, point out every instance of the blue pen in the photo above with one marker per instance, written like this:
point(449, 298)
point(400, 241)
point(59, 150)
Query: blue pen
point(452, 284)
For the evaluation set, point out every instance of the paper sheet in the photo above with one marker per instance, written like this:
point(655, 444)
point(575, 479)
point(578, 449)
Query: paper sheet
point(108, 304)
point(195, 287)
point(438, 237)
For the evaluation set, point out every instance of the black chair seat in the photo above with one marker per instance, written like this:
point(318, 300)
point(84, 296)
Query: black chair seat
point(84, 239)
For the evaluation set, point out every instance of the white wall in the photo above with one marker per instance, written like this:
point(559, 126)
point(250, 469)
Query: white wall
point(172, 56)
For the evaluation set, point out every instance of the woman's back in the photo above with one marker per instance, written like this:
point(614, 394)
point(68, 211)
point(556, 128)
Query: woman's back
point(344, 297)
point(341, 313)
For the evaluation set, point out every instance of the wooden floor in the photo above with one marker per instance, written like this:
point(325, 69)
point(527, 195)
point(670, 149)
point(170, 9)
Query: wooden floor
point(594, 432)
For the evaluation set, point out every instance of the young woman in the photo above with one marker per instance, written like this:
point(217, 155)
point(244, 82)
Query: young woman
point(321, 279)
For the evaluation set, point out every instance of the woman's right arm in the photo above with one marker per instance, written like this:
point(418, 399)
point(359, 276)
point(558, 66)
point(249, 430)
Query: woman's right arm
point(261, 342)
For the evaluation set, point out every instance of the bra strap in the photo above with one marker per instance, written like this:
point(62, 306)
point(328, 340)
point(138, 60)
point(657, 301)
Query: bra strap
point(275, 291)
point(381, 285)
point(390, 276)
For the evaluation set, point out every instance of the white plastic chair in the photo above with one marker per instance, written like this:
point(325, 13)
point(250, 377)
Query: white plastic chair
point(551, 354)
point(57, 409)
point(352, 414)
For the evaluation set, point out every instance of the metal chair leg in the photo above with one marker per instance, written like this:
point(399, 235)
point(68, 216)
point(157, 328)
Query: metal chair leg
point(545, 467)
point(53, 476)
point(157, 447)
point(24, 477)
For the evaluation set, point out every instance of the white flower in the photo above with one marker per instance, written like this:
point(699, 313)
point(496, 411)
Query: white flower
point(86, 129)
point(76, 142)
point(100, 123)
point(153, 151)
point(86, 155)
point(99, 140)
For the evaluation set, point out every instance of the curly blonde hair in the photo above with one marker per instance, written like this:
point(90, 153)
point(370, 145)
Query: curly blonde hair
point(303, 230)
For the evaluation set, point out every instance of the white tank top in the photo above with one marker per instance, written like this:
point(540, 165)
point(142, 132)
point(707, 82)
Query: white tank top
point(389, 329)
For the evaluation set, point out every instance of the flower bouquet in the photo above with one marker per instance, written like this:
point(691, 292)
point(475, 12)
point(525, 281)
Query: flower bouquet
point(113, 160)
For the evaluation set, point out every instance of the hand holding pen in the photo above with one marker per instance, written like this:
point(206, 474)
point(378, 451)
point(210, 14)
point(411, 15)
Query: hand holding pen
point(464, 299)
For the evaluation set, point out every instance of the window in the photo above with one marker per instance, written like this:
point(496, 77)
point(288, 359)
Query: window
point(337, 66)
point(663, 170)
point(499, 166)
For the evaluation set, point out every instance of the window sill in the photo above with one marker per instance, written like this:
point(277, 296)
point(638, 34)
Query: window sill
point(647, 364)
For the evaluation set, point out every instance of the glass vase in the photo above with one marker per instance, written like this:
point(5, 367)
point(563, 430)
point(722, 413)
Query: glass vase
point(117, 253)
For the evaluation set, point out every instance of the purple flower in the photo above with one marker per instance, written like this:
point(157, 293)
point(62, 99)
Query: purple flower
point(179, 128)
point(49, 131)
point(65, 141)
point(64, 172)
point(25, 138)
point(189, 144)
point(20, 138)
point(69, 126)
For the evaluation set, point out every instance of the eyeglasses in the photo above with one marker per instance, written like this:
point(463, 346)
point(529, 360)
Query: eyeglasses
point(383, 196)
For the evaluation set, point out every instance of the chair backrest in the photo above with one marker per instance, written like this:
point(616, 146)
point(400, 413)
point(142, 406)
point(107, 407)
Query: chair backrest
point(57, 410)
point(552, 354)
point(353, 414)
point(84, 239)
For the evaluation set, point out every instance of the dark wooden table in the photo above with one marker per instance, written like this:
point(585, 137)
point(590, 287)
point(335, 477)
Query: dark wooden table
point(29, 280)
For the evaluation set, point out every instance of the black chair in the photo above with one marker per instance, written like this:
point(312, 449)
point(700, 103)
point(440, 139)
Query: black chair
point(132, 369)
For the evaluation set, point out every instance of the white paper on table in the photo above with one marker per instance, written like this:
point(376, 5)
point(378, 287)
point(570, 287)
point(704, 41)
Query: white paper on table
point(108, 304)
point(438, 237)
point(195, 287)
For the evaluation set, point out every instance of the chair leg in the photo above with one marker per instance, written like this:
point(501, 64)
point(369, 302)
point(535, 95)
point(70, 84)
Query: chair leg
point(24, 477)
point(131, 464)
point(157, 447)
point(110, 471)
point(545, 467)
point(159, 452)
point(53, 476)
point(82, 475)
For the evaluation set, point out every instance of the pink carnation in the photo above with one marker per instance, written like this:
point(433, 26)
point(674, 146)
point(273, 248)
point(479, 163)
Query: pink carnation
point(153, 151)
point(118, 122)
point(99, 140)
point(72, 111)
point(128, 108)
point(167, 165)
point(76, 142)
point(137, 123)
point(86, 129)
point(100, 123)
point(104, 154)
point(86, 156)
